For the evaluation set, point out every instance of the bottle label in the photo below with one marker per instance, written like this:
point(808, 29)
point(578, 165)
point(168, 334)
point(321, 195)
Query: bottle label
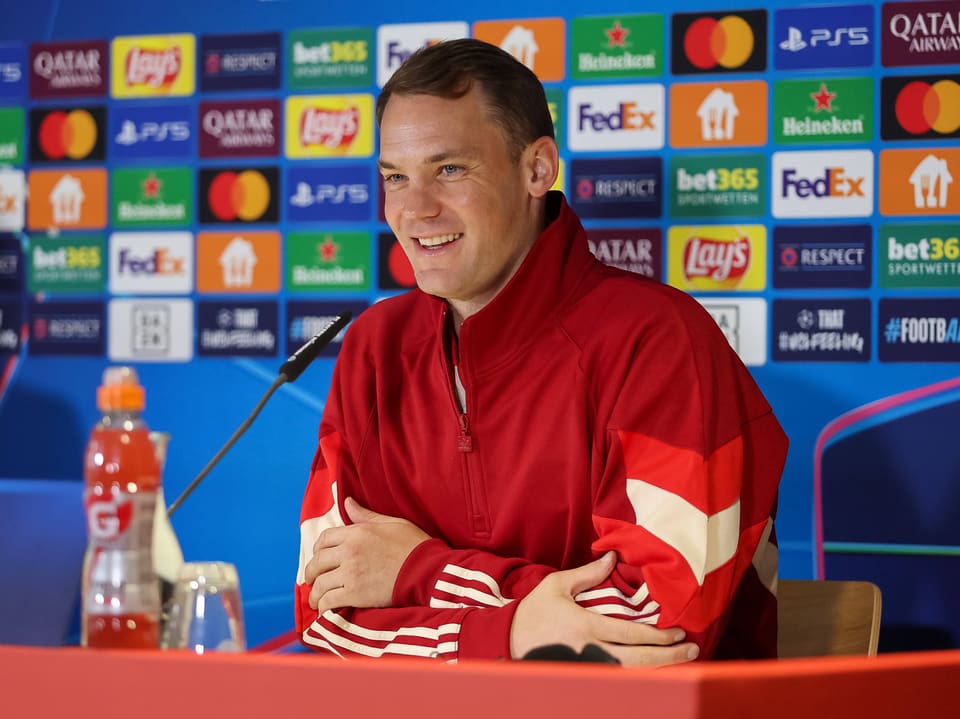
point(119, 574)
point(111, 518)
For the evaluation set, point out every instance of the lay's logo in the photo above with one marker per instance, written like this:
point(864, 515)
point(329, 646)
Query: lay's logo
point(722, 261)
point(332, 129)
point(329, 126)
point(717, 258)
point(153, 65)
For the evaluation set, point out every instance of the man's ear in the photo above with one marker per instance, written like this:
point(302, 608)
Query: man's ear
point(541, 163)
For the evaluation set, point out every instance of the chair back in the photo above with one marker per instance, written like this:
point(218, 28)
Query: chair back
point(827, 617)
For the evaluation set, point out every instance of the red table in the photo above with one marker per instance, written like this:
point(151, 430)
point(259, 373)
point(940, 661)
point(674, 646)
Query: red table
point(74, 682)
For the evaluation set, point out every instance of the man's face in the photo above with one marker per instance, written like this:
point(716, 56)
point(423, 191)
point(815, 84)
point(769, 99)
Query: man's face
point(454, 198)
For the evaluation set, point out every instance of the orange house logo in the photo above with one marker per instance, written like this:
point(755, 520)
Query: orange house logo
point(718, 114)
point(238, 262)
point(537, 43)
point(153, 65)
point(920, 182)
point(72, 200)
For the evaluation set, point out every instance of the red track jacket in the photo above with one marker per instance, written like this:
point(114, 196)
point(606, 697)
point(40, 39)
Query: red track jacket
point(604, 411)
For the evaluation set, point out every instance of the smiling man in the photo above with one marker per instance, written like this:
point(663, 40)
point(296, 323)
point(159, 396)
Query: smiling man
point(531, 448)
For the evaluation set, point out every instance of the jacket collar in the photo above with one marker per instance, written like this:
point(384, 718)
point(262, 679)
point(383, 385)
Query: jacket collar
point(548, 275)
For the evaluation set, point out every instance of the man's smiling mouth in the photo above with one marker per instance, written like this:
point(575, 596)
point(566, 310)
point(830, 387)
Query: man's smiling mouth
point(438, 240)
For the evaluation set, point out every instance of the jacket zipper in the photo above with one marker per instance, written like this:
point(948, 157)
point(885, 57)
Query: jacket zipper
point(479, 523)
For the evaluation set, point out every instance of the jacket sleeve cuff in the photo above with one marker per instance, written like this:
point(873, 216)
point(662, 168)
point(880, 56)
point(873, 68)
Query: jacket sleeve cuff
point(419, 574)
point(485, 633)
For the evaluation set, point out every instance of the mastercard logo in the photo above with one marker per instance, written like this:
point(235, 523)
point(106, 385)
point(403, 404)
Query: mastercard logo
point(727, 42)
point(243, 196)
point(922, 107)
point(66, 134)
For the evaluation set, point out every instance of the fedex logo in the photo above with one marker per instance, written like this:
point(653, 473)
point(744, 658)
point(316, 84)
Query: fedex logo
point(628, 116)
point(151, 262)
point(823, 184)
point(617, 117)
point(159, 262)
point(395, 43)
point(833, 183)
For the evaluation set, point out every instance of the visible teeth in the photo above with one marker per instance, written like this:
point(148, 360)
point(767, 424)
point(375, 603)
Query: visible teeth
point(438, 240)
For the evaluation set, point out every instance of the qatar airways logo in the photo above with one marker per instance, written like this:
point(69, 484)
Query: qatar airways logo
point(717, 260)
point(330, 128)
point(153, 68)
point(925, 33)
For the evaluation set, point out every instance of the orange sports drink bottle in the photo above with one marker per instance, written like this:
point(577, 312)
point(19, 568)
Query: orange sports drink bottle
point(121, 592)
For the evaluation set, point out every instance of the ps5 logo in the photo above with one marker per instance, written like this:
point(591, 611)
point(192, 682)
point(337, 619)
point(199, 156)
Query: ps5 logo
point(825, 37)
point(10, 72)
point(130, 134)
point(305, 196)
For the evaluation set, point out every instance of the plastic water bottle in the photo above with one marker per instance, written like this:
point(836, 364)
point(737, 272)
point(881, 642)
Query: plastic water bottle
point(121, 593)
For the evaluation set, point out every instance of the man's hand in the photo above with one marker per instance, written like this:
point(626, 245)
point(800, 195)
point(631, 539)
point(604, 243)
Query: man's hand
point(357, 565)
point(550, 615)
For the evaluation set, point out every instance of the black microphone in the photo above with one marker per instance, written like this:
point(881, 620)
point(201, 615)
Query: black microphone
point(289, 371)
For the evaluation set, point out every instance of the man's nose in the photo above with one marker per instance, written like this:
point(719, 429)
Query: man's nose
point(420, 200)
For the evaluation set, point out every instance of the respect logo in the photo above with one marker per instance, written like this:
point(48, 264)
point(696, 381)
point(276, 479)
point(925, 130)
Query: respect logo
point(918, 108)
point(719, 42)
point(717, 258)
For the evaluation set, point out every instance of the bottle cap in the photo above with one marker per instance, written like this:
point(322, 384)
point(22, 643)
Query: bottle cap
point(121, 390)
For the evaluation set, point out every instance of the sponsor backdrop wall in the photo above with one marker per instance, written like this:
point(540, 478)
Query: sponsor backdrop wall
point(191, 188)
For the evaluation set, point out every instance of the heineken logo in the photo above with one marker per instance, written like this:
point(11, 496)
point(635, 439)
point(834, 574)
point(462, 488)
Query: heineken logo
point(810, 111)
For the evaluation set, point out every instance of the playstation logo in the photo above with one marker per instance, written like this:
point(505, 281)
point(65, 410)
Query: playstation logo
point(303, 197)
point(794, 41)
point(128, 134)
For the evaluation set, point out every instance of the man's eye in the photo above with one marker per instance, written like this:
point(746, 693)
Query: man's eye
point(393, 178)
point(450, 169)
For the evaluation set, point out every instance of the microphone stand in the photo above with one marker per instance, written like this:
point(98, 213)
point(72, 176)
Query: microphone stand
point(281, 378)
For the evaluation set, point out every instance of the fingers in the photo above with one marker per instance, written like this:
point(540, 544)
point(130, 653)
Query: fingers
point(653, 656)
point(323, 585)
point(589, 575)
point(357, 512)
point(622, 631)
